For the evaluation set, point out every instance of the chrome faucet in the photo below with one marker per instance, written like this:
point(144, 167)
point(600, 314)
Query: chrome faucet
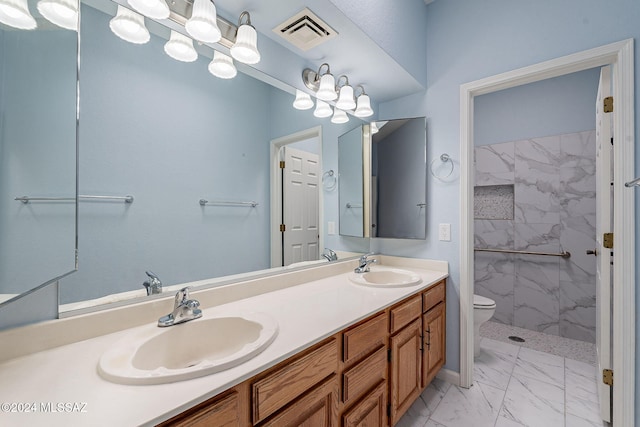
point(184, 309)
point(153, 285)
point(364, 263)
point(329, 255)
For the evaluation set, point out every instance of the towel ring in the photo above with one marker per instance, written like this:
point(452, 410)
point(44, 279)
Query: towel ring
point(444, 158)
point(331, 180)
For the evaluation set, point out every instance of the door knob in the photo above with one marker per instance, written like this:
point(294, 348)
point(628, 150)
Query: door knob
point(592, 252)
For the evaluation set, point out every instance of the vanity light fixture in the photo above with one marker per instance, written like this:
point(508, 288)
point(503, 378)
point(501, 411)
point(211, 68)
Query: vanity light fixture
point(15, 13)
point(155, 9)
point(245, 48)
point(63, 13)
point(303, 101)
point(364, 105)
point(339, 116)
point(322, 109)
point(129, 26)
point(180, 47)
point(203, 25)
point(222, 66)
point(345, 100)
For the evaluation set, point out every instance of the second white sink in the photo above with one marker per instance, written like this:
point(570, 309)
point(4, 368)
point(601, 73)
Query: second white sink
point(193, 349)
point(386, 277)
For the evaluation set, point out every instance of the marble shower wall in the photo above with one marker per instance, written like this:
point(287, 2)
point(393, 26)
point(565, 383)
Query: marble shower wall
point(554, 210)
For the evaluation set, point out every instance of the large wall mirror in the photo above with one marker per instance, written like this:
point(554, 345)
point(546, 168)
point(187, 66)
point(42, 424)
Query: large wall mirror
point(390, 194)
point(158, 136)
point(38, 81)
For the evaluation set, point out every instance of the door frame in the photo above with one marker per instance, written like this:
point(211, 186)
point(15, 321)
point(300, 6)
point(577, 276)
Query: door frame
point(620, 56)
point(276, 190)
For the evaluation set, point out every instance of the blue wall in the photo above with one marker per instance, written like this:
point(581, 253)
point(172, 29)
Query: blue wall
point(468, 40)
point(555, 106)
point(37, 156)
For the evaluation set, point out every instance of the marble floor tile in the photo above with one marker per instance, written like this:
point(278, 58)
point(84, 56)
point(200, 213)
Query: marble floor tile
point(574, 421)
point(418, 414)
point(540, 366)
point(506, 422)
point(493, 367)
point(432, 423)
point(533, 403)
point(477, 406)
point(581, 390)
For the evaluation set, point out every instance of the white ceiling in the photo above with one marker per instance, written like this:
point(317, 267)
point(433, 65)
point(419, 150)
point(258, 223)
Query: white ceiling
point(351, 52)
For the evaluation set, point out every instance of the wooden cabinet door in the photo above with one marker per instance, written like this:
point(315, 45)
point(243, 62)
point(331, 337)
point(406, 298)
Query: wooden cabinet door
point(406, 369)
point(371, 411)
point(434, 325)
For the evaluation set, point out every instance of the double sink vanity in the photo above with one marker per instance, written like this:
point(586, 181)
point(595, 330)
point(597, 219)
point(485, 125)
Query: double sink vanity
point(323, 346)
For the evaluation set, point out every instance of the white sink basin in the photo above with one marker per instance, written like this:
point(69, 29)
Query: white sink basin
point(154, 355)
point(385, 277)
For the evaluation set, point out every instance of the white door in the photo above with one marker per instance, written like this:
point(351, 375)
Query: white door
point(604, 207)
point(300, 206)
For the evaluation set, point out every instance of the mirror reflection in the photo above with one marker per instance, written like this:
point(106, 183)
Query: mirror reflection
point(383, 179)
point(196, 154)
point(38, 75)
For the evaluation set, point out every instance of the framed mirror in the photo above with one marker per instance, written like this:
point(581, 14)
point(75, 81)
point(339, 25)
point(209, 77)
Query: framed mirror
point(38, 98)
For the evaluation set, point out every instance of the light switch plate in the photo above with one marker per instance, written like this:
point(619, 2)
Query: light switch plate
point(331, 228)
point(444, 232)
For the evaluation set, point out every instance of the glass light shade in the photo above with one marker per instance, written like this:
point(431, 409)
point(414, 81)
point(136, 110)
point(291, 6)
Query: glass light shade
point(345, 100)
point(327, 89)
point(322, 109)
point(155, 9)
point(245, 49)
point(303, 101)
point(222, 66)
point(63, 13)
point(339, 116)
point(203, 24)
point(15, 13)
point(364, 106)
point(129, 26)
point(180, 48)
point(374, 128)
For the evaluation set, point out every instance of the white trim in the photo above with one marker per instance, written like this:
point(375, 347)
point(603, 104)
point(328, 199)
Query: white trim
point(620, 56)
point(276, 195)
point(452, 377)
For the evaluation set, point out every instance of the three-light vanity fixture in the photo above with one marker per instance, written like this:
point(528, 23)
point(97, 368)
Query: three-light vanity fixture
point(203, 25)
point(328, 89)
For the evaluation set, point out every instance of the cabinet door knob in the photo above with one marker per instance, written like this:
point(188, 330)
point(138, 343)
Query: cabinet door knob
point(592, 252)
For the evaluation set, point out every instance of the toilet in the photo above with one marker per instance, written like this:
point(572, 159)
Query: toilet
point(483, 309)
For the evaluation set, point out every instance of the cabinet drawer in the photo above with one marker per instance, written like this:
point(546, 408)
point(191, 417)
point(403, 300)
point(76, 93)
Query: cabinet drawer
point(433, 296)
point(366, 336)
point(370, 412)
point(287, 383)
point(406, 313)
point(319, 407)
point(364, 375)
point(222, 412)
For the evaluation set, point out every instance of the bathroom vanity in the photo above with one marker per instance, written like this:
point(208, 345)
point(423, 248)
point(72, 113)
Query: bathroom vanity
point(345, 354)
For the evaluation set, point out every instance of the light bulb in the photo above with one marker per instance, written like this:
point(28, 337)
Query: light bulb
point(15, 13)
point(63, 13)
point(129, 26)
point(245, 49)
point(339, 116)
point(222, 66)
point(203, 22)
point(155, 9)
point(322, 109)
point(327, 89)
point(303, 101)
point(364, 106)
point(346, 101)
point(180, 48)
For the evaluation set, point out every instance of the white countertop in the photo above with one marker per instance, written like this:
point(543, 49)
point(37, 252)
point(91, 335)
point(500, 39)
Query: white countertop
point(67, 375)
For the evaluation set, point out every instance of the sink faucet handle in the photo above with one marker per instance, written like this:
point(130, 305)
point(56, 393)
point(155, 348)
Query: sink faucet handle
point(181, 297)
point(152, 275)
point(365, 256)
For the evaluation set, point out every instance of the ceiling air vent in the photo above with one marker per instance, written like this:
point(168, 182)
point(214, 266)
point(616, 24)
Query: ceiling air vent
point(305, 30)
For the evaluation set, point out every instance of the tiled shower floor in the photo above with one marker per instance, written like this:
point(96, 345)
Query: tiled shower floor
point(514, 386)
